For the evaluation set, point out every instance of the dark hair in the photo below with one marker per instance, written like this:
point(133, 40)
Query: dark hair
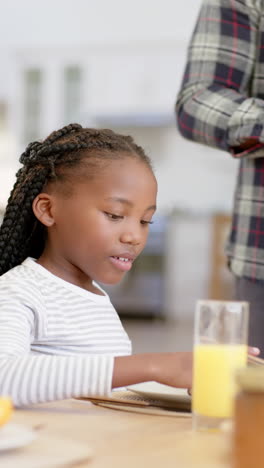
point(53, 159)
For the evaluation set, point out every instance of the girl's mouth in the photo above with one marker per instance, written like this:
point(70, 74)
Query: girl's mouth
point(122, 263)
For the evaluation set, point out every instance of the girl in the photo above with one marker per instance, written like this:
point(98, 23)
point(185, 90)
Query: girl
point(79, 213)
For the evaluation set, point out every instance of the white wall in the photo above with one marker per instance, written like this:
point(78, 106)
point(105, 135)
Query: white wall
point(77, 22)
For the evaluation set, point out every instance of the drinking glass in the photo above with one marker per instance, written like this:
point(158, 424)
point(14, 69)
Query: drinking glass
point(220, 347)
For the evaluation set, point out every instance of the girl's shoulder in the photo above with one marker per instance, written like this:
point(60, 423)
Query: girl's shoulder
point(32, 281)
point(19, 279)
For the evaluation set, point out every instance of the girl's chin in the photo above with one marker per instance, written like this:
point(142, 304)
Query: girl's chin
point(111, 280)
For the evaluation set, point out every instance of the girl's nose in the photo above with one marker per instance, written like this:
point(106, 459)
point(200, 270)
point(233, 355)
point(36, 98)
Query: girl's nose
point(131, 237)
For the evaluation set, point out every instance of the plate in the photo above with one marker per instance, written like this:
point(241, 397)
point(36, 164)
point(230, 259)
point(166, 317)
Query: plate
point(14, 436)
point(157, 391)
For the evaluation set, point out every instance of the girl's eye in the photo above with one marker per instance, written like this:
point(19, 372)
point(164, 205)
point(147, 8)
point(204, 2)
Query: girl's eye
point(113, 216)
point(146, 222)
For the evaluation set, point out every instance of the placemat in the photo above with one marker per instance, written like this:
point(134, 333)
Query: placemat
point(151, 410)
point(130, 401)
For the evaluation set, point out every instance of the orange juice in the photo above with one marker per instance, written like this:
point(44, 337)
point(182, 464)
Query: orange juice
point(213, 382)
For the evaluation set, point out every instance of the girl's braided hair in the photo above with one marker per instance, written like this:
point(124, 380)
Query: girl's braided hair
point(53, 159)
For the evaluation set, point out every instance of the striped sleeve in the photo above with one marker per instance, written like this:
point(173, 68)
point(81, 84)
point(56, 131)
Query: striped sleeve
point(213, 105)
point(30, 378)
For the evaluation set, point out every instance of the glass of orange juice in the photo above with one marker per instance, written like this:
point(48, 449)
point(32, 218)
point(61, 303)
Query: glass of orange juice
point(220, 347)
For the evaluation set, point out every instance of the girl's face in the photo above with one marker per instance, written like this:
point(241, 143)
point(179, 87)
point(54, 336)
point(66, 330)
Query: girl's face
point(99, 230)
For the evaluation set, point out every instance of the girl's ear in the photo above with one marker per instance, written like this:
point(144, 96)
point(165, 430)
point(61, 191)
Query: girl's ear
point(42, 207)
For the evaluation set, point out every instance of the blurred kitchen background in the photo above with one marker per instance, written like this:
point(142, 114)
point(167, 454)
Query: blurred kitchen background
point(118, 64)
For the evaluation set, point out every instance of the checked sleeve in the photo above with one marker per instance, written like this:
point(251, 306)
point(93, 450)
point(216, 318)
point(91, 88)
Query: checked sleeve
point(216, 104)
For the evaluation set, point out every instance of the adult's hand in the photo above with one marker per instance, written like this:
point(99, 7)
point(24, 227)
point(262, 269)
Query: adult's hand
point(253, 351)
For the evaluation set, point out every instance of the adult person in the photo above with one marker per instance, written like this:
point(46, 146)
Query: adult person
point(221, 103)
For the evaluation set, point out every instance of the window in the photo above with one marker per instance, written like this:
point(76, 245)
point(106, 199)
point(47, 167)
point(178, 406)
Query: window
point(72, 94)
point(3, 116)
point(32, 104)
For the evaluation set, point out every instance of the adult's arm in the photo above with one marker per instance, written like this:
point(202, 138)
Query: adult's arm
point(215, 104)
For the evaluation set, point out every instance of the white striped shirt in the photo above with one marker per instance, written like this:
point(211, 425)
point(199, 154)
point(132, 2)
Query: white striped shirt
point(57, 340)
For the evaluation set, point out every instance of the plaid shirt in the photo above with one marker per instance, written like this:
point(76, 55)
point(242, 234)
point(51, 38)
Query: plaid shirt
point(221, 103)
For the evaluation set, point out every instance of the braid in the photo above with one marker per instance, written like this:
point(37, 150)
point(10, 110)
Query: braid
point(21, 234)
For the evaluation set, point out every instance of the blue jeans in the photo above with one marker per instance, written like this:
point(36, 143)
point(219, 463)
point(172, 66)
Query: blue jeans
point(253, 292)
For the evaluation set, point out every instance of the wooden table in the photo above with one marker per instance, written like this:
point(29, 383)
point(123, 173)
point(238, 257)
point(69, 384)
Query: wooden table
point(118, 439)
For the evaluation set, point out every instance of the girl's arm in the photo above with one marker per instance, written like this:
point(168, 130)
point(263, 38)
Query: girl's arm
point(33, 378)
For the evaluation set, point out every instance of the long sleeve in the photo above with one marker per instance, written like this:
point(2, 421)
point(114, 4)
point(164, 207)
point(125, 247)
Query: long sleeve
point(216, 103)
point(56, 340)
point(28, 378)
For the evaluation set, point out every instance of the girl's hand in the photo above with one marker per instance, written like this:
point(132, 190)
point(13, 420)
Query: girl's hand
point(173, 369)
